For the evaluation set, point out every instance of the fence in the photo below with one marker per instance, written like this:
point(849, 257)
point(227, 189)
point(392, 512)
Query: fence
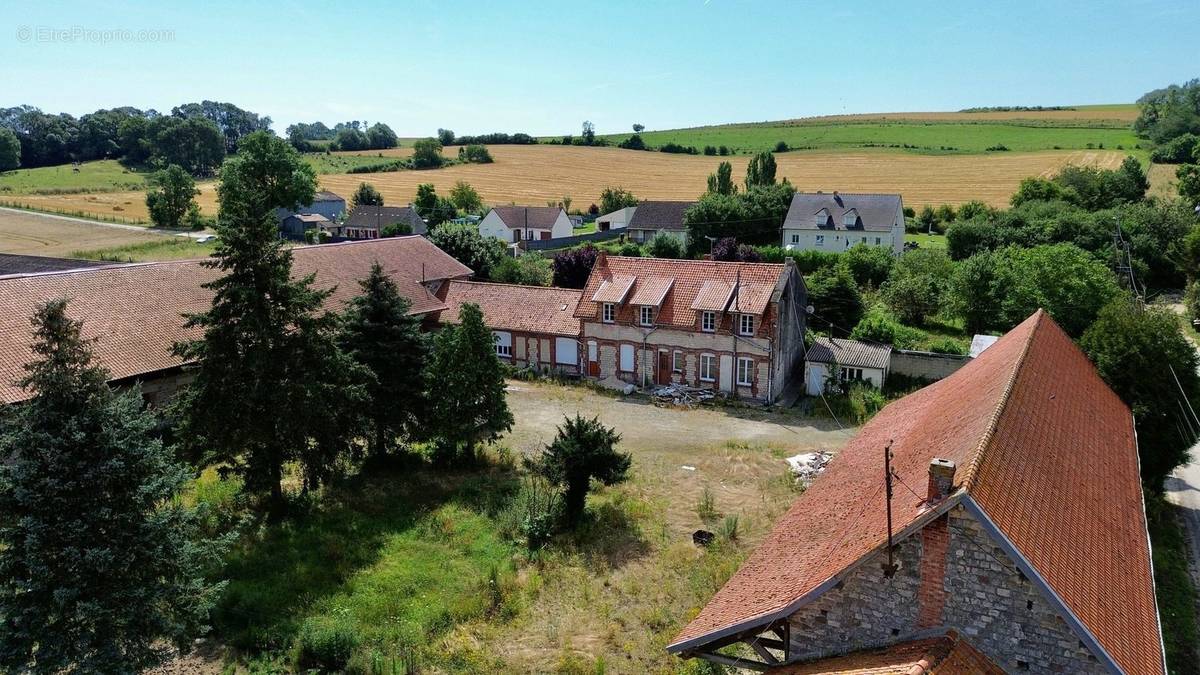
point(567, 242)
point(926, 365)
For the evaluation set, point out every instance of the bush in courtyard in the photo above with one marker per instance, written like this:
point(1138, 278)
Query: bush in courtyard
point(324, 644)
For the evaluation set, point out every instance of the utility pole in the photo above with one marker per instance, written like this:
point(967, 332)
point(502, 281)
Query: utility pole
point(890, 568)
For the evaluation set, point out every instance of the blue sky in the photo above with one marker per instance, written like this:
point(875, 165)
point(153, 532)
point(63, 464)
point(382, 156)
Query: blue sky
point(543, 67)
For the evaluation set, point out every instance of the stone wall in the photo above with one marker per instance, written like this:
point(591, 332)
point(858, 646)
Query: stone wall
point(982, 594)
point(926, 364)
point(160, 387)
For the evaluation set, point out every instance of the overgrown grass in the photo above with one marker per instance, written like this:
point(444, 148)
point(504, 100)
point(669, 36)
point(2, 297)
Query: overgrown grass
point(343, 163)
point(168, 248)
point(1176, 595)
point(106, 175)
point(927, 240)
point(385, 564)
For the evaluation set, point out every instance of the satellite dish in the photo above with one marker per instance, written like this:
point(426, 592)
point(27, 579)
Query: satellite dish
point(810, 309)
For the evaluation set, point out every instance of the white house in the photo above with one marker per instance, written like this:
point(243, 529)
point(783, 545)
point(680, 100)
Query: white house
point(653, 217)
point(836, 221)
point(522, 223)
point(854, 360)
point(616, 220)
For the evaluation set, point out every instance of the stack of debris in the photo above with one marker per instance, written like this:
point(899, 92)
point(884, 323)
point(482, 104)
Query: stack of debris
point(681, 395)
point(807, 466)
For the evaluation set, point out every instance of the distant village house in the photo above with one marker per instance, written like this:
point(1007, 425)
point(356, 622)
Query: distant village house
point(369, 221)
point(653, 217)
point(514, 224)
point(836, 221)
point(836, 360)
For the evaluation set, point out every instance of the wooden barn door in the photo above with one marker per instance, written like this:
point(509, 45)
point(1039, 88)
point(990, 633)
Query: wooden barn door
point(664, 367)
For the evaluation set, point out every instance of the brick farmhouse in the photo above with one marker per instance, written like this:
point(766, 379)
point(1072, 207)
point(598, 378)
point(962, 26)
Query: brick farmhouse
point(134, 312)
point(729, 326)
point(534, 326)
point(1018, 534)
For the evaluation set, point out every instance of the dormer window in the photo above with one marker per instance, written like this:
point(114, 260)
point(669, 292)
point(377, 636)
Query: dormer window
point(746, 324)
point(850, 219)
point(646, 315)
point(608, 312)
point(708, 322)
point(821, 218)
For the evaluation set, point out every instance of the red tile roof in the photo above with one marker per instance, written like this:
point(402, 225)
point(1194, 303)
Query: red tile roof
point(694, 281)
point(651, 291)
point(1044, 448)
point(133, 311)
point(528, 309)
point(613, 289)
point(949, 654)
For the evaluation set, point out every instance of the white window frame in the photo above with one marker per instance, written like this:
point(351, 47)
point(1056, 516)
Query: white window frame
point(708, 322)
point(504, 351)
point(677, 362)
point(849, 220)
point(646, 315)
point(608, 312)
point(795, 238)
point(820, 240)
point(746, 379)
point(851, 374)
point(708, 363)
point(878, 241)
point(624, 349)
point(743, 319)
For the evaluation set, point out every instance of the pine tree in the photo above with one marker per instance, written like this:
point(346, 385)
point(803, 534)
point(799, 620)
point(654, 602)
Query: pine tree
point(98, 564)
point(466, 385)
point(272, 385)
point(583, 450)
point(379, 333)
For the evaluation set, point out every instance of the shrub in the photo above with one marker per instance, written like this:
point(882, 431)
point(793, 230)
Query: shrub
point(1180, 150)
point(869, 265)
point(634, 142)
point(781, 146)
point(664, 245)
point(475, 154)
point(948, 346)
point(324, 644)
point(728, 531)
point(679, 149)
point(395, 230)
point(710, 150)
point(533, 514)
point(879, 326)
point(706, 508)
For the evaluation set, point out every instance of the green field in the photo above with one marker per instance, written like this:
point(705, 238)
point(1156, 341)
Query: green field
point(924, 137)
point(100, 176)
point(169, 248)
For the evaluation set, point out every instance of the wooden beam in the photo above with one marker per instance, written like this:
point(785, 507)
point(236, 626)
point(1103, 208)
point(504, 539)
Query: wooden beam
point(762, 652)
point(732, 662)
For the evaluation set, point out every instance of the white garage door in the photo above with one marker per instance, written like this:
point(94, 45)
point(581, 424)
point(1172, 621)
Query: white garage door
point(566, 351)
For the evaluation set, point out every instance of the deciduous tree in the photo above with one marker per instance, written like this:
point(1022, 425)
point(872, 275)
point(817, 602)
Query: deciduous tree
point(573, 266)
point(616, 198)
point(721, 182)
point(465, 244)
point(465, 198)
point(366, 195)
point(266, 174)
point(100, 562)
point(1142, 354)
point(761, 170)
point(10, 150)
point(171, 198)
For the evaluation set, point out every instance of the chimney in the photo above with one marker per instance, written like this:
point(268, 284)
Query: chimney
point(941, 479)
point(602, 258)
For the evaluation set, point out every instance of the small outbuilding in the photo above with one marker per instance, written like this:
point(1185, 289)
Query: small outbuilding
point(847, 360)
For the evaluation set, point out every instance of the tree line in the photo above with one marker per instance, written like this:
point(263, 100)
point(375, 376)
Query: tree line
point(196, 136)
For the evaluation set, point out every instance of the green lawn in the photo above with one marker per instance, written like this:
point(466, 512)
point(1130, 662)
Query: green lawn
point(932, 137)
point(927, 240)
point(168, 248)
point(100, 176)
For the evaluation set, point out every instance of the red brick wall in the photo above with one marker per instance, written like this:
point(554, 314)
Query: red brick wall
point(931, 597)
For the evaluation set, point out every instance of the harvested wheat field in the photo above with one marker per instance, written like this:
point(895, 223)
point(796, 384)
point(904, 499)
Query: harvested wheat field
point(126, 207)
point(36, 234)
point(536, 174)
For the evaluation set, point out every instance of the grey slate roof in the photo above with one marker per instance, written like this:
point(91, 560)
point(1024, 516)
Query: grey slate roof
point(326, 196)
point(849, 353)
point(875, 211)
point(370, 217)
point(11, 263)
point(541, 217)
point(659, 215)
